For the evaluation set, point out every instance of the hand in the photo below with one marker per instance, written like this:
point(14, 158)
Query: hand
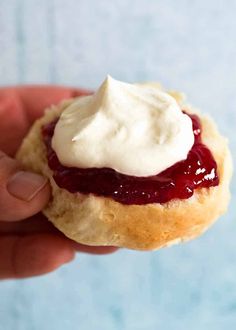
point(29, 244)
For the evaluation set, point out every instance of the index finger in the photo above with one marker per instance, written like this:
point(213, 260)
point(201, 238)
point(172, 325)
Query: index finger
point(35, 99)
point(20, 106)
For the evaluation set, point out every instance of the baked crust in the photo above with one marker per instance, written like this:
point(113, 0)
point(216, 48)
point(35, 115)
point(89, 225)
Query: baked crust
point(94, 220)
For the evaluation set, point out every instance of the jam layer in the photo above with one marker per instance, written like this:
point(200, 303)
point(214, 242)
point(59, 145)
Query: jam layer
point(199, 170)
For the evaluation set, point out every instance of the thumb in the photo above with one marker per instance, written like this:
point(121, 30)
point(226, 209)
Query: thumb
point(22, 194)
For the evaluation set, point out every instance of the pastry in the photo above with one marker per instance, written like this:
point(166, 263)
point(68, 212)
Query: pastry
point(130, 166)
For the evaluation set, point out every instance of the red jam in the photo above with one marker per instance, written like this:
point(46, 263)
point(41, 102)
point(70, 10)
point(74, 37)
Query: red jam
point(178, 181)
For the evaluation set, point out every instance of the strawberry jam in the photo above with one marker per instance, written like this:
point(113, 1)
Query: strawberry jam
point(199, 170)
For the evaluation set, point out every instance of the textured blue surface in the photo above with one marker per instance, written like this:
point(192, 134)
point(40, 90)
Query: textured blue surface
point(188, 45)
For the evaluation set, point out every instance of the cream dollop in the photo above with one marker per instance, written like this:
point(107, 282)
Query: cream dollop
point(136, 130)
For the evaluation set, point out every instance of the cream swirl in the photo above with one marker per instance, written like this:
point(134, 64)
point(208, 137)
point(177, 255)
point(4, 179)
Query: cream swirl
point(136, 130)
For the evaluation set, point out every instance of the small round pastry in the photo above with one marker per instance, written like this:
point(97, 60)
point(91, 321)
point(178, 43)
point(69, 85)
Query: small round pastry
point(172, 184)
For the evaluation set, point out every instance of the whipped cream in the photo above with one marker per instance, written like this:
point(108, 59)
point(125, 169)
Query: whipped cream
point(137, 130)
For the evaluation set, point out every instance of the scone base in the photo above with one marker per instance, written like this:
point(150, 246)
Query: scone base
point(100, 221)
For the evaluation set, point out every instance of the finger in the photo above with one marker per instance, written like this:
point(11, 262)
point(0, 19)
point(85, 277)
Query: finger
point(36, 99)
point(39, 224)
point(24, 256)
point(94, 249)
point(13, 121)
point(20, 106)
point(22, 194)
point(35, 224)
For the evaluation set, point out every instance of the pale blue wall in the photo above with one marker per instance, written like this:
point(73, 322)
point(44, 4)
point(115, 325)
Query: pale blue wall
point(188, 45)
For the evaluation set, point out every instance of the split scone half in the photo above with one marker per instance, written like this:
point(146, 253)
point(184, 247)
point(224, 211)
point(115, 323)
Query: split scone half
point(95, 220)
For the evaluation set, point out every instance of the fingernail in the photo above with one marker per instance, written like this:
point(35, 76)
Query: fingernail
point(25, 185)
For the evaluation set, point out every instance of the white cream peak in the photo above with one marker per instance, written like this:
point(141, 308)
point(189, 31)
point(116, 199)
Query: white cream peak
point(137, 130)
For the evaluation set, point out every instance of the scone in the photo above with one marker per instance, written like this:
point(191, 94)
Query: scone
point(157, 142)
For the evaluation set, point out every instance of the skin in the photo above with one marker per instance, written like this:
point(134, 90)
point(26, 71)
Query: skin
point(29, 244)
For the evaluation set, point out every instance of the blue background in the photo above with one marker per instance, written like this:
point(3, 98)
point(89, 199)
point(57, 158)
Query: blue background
point(187, 45)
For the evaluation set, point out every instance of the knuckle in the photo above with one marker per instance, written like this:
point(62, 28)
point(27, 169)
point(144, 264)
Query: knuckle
point(2, 154)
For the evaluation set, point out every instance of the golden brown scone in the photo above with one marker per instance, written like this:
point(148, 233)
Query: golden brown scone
point(93, 220)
